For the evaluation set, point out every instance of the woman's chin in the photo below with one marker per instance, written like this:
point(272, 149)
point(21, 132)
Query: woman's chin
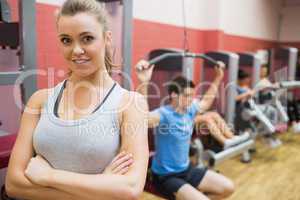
point(83, 73)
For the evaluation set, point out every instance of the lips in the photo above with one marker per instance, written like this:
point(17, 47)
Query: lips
point(80, 61)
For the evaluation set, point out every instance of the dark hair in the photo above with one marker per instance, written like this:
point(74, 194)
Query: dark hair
point(93, 7)
point(178, 84)
point(242, 74)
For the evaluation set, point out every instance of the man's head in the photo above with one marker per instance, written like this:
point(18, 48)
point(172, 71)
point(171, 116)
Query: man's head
point(243, 78)
point(181, 91)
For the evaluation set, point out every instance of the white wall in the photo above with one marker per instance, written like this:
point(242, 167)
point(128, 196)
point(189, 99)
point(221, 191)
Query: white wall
point(252, 18)
point(200, 14)
point(290, 24)
point(51, 2)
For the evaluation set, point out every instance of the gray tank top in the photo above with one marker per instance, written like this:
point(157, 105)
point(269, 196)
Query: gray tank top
point(86, 145)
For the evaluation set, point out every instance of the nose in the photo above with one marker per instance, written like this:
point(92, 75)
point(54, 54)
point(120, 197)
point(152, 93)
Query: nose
point(78, 50)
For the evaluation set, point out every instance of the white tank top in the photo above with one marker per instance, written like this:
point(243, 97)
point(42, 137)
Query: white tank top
point(86, 145)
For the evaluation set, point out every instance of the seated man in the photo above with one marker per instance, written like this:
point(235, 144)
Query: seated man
point(243, 118)
point(173, 175)
point(218, 129)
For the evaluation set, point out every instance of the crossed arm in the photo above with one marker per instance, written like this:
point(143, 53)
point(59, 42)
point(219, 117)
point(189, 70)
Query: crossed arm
point(17, 185)
point(43, 182)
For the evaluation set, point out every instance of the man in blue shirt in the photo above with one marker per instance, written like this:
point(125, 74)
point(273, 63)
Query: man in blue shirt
point(173, 175)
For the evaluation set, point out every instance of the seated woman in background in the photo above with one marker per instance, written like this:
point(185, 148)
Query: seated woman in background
point(242, 111)
point(264, 88)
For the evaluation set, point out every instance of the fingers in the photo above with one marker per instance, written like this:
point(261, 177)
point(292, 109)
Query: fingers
point(123, 167)
point(143, 65)
point(221, 65)
point(123, 153)
point(123, 171)
point(121, 163)
point(152, 67)
point(121, 160)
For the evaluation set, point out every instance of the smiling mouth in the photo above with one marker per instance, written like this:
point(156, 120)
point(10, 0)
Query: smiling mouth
point(80, 61)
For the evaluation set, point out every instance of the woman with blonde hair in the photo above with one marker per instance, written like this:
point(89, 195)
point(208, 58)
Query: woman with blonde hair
point(86, 138)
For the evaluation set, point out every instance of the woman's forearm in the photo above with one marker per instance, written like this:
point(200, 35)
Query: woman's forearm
point(42, 193)
point(92, 187)
point(24, 189)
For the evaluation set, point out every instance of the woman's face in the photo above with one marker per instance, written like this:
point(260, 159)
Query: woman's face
point(263, 72)
point(83, 43)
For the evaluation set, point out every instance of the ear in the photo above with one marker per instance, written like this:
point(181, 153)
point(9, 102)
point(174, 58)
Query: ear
point(108, 38)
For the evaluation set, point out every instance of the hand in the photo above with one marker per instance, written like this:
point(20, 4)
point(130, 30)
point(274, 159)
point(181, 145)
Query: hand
point(38, 171)
point(276, 85)
point(251, 93)
point(201, 122)
point(220, 70)
point(144, 71)
point(201, 129)
point(120, 164)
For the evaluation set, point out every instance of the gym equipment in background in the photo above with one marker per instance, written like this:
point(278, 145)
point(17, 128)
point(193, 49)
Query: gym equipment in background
point(225, 105)
point(283, 62)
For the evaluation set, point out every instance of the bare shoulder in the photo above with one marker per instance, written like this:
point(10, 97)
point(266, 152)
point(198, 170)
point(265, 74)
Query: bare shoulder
point(38, 98)
point(133, 102)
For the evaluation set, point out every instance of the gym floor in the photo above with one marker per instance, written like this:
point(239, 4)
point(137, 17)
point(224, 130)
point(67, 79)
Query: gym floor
point(273, 174)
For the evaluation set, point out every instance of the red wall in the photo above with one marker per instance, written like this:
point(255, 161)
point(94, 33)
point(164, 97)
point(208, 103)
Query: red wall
point(292, 44)
point(49, 56)
point(240, 44)
point(150, 35)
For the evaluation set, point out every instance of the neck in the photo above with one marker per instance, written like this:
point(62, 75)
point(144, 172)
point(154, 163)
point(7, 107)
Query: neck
point(100, 79)
point(178, 109)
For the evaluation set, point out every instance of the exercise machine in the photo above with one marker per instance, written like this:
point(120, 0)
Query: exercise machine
point(283, 62)
point(226, 106)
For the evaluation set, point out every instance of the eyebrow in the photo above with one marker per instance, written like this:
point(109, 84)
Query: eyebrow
point(81, 34)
